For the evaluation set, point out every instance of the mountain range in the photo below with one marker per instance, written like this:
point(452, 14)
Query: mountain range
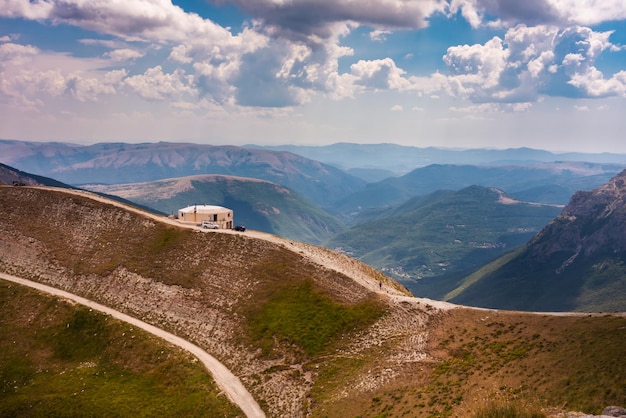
point(259, 204)
point(308, 331)
point(443, 234)
point(577, 262)
point(428, 228)
point(113, 163)
point(551, 183)
point(401, 159)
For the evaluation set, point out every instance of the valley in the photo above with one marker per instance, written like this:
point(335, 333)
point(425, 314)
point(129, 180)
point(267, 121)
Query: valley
point(436, 229)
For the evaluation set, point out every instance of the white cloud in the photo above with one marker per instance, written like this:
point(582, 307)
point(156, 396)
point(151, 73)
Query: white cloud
point(594, 84)
point(289, 52)
point(537, 12)
point(125, 54)
point(379, 75)
point(397, 108)
point(590, 12)
point(16, 54)
point(154, 84)
point(528, 63)
point(379, 35)
point(131, 19)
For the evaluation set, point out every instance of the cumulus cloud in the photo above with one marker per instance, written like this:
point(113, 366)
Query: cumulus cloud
point(289, 51)
point(124, 54)
point(532, 61)
point(322, 18)
point(379, 35)
point(154, 84)
point(379, 75)
point(540, 12)
point(131, 20)
point(16, 54)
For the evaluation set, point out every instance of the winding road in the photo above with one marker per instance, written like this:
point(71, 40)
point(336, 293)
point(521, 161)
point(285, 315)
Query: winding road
point(226, 381)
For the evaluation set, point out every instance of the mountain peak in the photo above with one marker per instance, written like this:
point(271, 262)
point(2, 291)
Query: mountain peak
point(593, 221)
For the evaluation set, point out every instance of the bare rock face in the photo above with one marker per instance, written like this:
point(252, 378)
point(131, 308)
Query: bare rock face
point(593, 221)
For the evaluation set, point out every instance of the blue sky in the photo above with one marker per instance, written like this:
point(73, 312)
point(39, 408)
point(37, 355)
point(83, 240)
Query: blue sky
point(547, 74)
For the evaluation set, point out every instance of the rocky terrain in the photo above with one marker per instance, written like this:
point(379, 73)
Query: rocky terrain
point(576, 262)
point(416, 358)
point(591, 223)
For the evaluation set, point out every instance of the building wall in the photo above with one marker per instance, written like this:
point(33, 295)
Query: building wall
point(222, 217)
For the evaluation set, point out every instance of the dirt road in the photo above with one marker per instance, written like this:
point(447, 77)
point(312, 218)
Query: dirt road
point(228, 382)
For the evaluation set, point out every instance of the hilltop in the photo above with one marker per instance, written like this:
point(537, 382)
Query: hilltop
point(307, 330)
point(258, 204)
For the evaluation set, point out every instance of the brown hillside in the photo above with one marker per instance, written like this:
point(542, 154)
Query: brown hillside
point(251, 303)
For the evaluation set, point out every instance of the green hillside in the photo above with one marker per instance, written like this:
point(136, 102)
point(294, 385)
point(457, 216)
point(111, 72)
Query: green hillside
point(444, 234)
point(596, 284)
point(257, 204)
point(62, 360)
point(576, 263)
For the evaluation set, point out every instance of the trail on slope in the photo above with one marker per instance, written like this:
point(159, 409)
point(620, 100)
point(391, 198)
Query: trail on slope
point(224, 378)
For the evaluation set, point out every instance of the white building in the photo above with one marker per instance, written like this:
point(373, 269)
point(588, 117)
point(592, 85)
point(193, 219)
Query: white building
point(197, 213)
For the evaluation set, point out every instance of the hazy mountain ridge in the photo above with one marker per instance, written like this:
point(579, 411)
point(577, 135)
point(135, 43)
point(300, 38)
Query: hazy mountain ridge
point(530, 181)
point(577, 262)
point(414, 359)
point(257, 204)
point(114, 163)
point(403, 159)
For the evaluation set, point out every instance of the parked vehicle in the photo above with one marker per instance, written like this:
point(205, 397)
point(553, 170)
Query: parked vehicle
point(239, 228)
point(209, 225)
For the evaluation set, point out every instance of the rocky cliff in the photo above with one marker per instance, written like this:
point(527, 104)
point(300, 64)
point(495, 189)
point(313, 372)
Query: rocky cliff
point(577, 262)
point(593, 223)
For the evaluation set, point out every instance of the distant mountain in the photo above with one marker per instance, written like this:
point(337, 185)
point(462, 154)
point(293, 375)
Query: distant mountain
point(529, 182)
point(446, 233)
point(577, 262)
point(258, 204)
point(114, 163)
point(403, 159)
point(371, 175)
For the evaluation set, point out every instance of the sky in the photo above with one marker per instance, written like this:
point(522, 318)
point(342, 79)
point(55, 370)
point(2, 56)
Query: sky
point(546, 74)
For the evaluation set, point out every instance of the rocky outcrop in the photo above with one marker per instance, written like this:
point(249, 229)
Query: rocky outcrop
point(593, 222)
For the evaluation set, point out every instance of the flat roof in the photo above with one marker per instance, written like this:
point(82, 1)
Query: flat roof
point(204, 208)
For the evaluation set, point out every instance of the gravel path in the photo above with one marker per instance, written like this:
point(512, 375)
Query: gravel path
point(228, 382)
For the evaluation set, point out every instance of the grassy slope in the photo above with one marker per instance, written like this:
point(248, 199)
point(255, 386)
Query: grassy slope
point(588, 285)
point(259, 205)
point(482, 359)
point(57, 359)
